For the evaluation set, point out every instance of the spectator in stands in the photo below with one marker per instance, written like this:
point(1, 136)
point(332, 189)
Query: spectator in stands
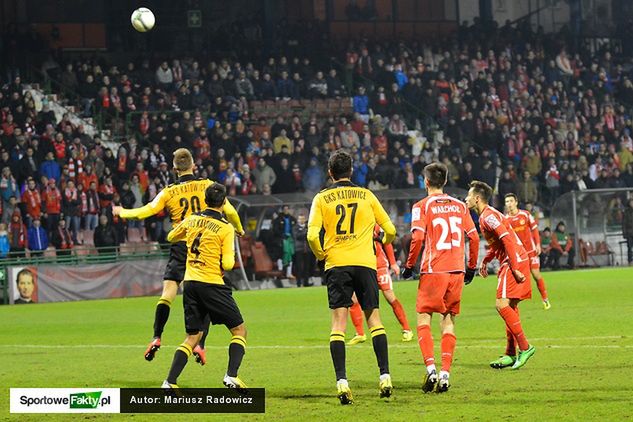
point(5, 246)
point(313, 177)
point(37, 238)
point(52, 199)
point(27, 166)
point(32, 200)
point(8, 186)
point(71, 207)
point(526, 188)
point(90, 201)
point(303, 261)
point(264, 175)
point(9, 209)
point(561, 245)
point(627, 230)
point(106, 193)
point(105, 236)
point(62, 239)
point(164, 76)
point(50, 168)
point(361, 104)
point(17, 235)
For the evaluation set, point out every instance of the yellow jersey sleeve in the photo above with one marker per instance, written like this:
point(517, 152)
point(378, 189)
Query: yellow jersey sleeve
point(178, 233)
point(153, 208)
point(228, 250)
point(232, 216)
point(315, 224)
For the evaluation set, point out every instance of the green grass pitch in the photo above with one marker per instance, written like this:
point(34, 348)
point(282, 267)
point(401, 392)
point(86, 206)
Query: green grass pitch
point(582, 368)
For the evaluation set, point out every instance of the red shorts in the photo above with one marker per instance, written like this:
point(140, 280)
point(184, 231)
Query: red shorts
point(440, 293)
point(384, 279)
point(509, 288)
point(535, 261)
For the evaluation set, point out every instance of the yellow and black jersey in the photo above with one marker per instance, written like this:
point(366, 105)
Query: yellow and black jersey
point(341, 225)
point(181, 199)
point(210, 246)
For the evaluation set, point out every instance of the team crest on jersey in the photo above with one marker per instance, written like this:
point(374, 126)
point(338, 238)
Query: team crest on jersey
point(492, 221)
point(522, 222)
point(415, 214)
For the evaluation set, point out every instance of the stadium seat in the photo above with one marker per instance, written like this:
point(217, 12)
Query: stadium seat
point(50, 252)
point(87, 237)
point(264, 267)
point(127, 249)
point(82, 250)
point(134, 235)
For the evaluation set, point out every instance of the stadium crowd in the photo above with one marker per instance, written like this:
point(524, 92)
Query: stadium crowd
point(523, 111)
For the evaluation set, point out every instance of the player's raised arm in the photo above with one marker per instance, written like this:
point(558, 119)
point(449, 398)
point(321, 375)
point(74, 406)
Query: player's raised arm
point(383, 220)
point(315, 223)
point(178, 233)
point(233, 217)
point(228, 249)
point(145, 211)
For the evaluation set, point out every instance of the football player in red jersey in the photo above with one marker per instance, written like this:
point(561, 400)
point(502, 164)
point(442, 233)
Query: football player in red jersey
point(385, 264)
point(526, 228)
point(513, 285)
point(438, 224)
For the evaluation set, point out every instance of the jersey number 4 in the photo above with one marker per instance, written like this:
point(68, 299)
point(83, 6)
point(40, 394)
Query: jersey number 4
point(195, 206)
point(195, 246)
point(340, 211)
point(454, 229)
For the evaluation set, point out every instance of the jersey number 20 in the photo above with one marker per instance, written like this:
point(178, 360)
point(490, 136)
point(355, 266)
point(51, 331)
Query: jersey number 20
point(195, 206)
point(455, 228)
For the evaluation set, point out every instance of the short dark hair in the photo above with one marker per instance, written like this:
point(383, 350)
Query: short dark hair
point(215, 195)
point(435, 175)
point(482, 189)
point(22, 272)
point(340, 165)
point(511, 195)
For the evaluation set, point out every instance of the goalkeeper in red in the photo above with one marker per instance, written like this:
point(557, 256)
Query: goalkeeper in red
point(438, 224)
point(513, 285)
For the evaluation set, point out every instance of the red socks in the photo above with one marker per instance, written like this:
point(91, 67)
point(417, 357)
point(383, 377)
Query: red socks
point(398, 310)
point(357, 318)
point(448, 348)
point(425, 340)
point(513, 323)
point(511, 349)
point(540, 283)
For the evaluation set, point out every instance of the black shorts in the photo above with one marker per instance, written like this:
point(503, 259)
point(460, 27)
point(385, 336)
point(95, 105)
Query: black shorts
point(342, 282)
point(213, 300)
point(177, 262)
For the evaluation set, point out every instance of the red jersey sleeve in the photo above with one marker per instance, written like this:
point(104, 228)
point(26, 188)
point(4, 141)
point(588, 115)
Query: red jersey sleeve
point(536, 236)
point(418, 231)
point(391, 257)
point(473, 239)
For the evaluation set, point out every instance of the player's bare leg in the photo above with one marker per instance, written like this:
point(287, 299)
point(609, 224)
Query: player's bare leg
point(180, 360)
point(356, 313)
point(170, 290)
point(540, 284)
point(508, 310)
point(381, 349)
point(425, 341)
point(398, 310)
point(199, 351)
point(447, 324)
point(237, 349)
point(337, 351)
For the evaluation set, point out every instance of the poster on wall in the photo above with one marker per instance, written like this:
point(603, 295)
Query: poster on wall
point(23, 285)
point(55, 283)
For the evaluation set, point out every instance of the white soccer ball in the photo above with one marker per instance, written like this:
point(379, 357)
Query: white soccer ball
point(143, 19)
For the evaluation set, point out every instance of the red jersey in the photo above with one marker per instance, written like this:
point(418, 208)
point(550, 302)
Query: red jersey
point(524, 225)
point(385, 258)
point(504, 243)
point(438, 223)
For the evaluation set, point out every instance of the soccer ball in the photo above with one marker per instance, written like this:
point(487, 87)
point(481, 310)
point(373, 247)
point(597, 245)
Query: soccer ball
point(143, 19)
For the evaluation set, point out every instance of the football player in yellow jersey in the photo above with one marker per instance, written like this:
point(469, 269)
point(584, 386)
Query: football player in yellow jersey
point(210, 251)
point(180, 199)
point(341, 232)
